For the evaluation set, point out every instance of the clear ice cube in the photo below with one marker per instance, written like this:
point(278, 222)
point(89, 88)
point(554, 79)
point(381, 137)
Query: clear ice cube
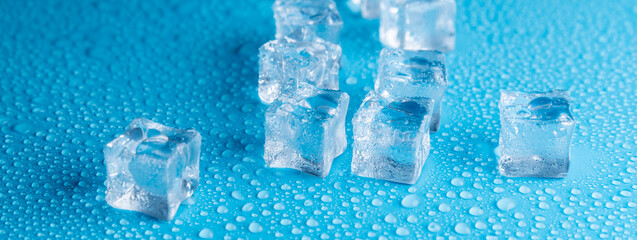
point(535, 135)
point(391, 137)
point(354, 5)
point(418, 24)
point(152, 168)
point(405, 73)
point(306, 131)
point(370, 9)
point(320, 17)
point(286, 62)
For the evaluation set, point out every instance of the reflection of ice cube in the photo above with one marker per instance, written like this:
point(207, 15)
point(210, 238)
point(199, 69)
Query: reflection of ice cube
point(307, 131)
point(535, 134)
point(404, 73)
point(320, 17)
point(152, 168)
point(418, 24)
point(391, 137)
point(286, 62)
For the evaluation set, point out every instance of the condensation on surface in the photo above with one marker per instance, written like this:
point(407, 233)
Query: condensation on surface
point(74, 73)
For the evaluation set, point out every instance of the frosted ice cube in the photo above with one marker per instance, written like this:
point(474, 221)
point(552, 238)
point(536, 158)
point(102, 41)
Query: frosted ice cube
point(535, 135)
point(152, 168)
point(286, 62)
point(418, 24)
point(405, 73)
point(391, 137)
point(320, 17)
point(307, 131)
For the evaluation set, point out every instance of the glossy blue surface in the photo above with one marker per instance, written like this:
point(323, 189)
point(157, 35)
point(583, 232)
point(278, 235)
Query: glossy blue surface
point(74, 73)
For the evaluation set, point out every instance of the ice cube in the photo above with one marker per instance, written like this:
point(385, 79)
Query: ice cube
point(320, 17)
point(306, 131)
point(405, 73)
point(354, 5)
point(391, 137)
point(285, 62)
point(535, 135)
point(418, 24)
point(370, 9)
point(152, 168)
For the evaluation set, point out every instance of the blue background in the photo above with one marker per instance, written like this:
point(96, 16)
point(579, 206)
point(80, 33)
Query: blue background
point(74, 73)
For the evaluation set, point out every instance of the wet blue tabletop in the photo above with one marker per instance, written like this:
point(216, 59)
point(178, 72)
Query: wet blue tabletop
point(74, 73)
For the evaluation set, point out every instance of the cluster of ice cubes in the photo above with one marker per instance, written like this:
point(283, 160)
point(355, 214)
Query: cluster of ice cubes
point(298, 75)
point(152, 168)
point(299, 78)
point(392, 126)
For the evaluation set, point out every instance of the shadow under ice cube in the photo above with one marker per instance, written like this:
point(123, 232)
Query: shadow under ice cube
point(405, 73)
point(152, 168)
point(306, 132)
point(391, 137)
point(285, 63)
point(418, 24)
point(320, 17)
point(535, 135)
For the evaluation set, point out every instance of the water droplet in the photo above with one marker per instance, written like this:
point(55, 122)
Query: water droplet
point(22, 128)
point(410, 201)
point(206, 233)
point(444, 207)
point(390, 218)
point(255, 227)
point(463, 228)
point(475, 211)
point(312, 222)
point(457, 182)
point(247, 207)
point(434, 227)
point(569, 210)
point(412, 219)
point(237, 195)
point(505, 204)
point(402, 231)
point(263, 194)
